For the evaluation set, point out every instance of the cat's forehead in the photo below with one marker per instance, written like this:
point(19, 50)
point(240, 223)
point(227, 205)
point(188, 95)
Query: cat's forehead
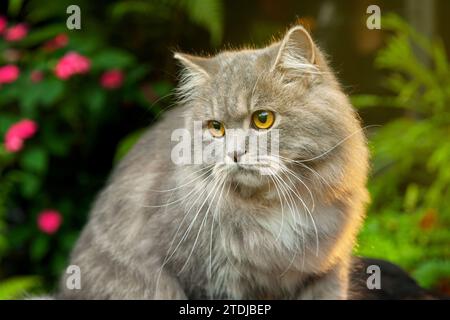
point(244, 65)
point(234, 68)
point(233, 91)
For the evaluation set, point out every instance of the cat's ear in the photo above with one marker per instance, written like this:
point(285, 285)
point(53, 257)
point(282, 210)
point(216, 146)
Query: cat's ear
point(196, 72)
point(196, 66)
point(296, 51)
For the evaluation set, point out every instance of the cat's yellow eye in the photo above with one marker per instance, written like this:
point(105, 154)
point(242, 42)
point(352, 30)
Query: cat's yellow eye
point(216, 128)
point(263, 119)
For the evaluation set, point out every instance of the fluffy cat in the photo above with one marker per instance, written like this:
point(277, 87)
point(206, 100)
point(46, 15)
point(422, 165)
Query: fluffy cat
point(225, 231)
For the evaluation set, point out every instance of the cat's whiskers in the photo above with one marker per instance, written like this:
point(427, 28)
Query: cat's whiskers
point(165, 108)
point(185, 178)
point(286, 195)
point(285, 169)
point(285, 186)
point(215, 188)
point(212, 227)
point(175, 189)
point(276, 159)
point(269, 166)
point(339, 143)
point(173, 192)
point(186, 199)
point(291, 205)
point(222, 240)
point(169, 203)
point(308, 211)
point(199, 192)
point(308, 168)
point(282, 208)
point(175, 201)
point(289, 173)
point(202, 192)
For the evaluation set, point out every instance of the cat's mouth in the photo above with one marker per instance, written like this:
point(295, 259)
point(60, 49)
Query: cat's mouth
point(244, 168)
point(250, 175)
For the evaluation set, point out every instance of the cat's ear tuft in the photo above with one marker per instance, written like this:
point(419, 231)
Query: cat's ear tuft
point(196, 72)
point(196, 65)
point(296, 51)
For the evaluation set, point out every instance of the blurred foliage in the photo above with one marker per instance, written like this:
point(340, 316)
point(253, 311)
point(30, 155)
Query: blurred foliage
point(195, 10)
point(409, 219)
point(18, 287)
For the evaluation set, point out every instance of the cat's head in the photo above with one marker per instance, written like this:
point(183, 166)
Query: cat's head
point(286, 88)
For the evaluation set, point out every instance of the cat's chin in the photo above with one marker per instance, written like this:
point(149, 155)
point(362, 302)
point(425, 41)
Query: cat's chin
point(248, 177)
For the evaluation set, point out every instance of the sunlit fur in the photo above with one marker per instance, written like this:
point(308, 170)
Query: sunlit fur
point(219, 231)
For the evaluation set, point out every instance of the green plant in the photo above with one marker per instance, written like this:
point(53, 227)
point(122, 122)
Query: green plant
point(18, 287)
point(409, 218)
point(206, 13)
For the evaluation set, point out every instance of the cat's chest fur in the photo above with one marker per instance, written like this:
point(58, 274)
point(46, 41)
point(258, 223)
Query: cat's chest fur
point(264, 253)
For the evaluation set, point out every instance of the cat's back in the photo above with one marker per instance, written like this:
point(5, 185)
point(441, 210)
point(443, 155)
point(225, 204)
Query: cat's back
point(130, 197)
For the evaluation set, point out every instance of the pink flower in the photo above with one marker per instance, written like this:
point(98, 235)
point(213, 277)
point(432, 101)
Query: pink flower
point(60, 41)
point(36, 76)
point(49, 221)
point(70, 64)
point(3, 24)
point(16, 33)
point(9, 73)
point(13, 144)
point(112, 79)
point(18, 133)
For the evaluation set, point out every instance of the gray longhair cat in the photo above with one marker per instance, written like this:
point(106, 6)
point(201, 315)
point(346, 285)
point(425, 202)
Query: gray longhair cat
point(225, 230)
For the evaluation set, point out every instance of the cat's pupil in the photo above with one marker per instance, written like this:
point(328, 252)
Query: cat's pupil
point(216, 125)
point(262, 117)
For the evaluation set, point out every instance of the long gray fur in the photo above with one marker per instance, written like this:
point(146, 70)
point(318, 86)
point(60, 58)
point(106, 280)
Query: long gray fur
point(257, 238)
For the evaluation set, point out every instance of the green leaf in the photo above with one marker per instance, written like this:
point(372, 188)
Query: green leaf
point(162, 88)
point(44, 93)
point(136, 74)
point(39, 35)
point(59, 262)
point(15, 288)
point(127, 143)
point(69, 240)
point(4, 245)
point(51, 90)
point(14, 7)
point(34, 159)
point(39, 247)
point(208, 14)
point(6, 120)
point(112, 59)
point(10, 92)
point(29, 101)
point(411, 197)
point(160, 9)
point(30, 185)
point(429, 273)
point(52, 10)
point(96, 100)
point(19, 235)
point(57, 143)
